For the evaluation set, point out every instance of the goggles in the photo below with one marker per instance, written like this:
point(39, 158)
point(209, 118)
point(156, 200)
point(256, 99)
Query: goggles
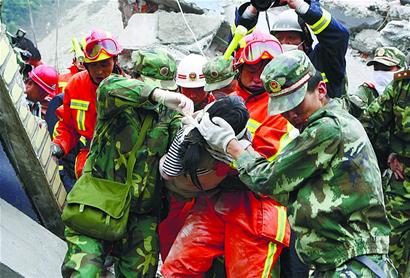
point(94, 48)
point(258, 50)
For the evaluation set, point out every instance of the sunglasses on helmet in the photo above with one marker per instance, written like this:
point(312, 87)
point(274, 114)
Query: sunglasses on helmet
point(93, 48)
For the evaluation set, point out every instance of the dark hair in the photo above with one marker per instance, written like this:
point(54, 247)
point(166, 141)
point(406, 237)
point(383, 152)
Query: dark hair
point(314, 81)
point(193, 148)
point(28, 45)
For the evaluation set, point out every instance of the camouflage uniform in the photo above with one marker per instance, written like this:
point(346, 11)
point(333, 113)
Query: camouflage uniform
point(391, 112)
point(366, 93)
point(218, 73)
point(328, 177)
point(123, 104)
point(358, 101)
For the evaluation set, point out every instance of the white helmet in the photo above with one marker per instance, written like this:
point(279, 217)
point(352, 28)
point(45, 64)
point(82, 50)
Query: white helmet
point(189, 72)
point(286, 21)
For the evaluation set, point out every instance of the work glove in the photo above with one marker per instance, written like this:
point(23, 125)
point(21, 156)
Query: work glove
point(174, 101)
point(217, 132)
point(56, 151)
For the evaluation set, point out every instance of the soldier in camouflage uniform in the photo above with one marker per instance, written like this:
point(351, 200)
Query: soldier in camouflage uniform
point(220, 76)
point(122, 105)
point(386, 61)
point(391, 112)
point(328, 176)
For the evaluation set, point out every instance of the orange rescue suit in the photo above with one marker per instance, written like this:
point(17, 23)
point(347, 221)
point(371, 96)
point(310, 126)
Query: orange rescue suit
point(79, 116)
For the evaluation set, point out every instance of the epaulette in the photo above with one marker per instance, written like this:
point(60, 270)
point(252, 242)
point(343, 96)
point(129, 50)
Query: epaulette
point(402, 75)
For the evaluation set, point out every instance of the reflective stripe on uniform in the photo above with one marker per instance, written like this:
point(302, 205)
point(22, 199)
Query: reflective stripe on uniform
point(79, 104)
point(284, 140)
point(55, 132)
point(272, 249)
point(324, 77)
point(81, 119)
point(322, 23)
point(281, 230)
point(252, 126)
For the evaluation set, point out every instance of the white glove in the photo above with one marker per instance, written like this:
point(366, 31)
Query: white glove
point(174, 101)
point(217, 133)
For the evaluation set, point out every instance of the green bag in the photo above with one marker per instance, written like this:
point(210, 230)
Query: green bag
point(98, 207)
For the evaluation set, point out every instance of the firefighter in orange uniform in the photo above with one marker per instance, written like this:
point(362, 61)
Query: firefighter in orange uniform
point(79, 116)
point(257, 223)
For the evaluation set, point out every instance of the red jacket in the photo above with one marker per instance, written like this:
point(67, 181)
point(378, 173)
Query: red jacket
point(269, 133)
point(79, 116)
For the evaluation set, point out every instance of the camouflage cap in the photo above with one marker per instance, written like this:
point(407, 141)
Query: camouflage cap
point(156, 67)
point(389, 56)
point(218, 73)
point(285, 79)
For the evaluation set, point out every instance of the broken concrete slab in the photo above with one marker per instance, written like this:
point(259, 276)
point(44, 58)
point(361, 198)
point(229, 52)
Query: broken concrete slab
point(366, 41)
point(173, 30)
point(396, 33)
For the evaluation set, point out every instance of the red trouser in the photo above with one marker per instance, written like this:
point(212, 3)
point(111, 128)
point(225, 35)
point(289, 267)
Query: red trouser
point(80, 161)
point(169, 228)
point(239, 226)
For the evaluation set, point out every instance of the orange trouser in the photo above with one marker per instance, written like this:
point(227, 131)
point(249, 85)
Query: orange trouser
point(248, 231)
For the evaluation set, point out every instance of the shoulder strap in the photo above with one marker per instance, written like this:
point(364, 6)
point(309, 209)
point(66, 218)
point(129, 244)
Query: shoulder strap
point(132, 157)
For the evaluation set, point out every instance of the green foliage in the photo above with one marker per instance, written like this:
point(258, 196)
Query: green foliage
point(15, 13)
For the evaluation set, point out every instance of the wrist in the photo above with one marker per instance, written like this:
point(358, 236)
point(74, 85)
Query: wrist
point(234, 148)
point(301, 7)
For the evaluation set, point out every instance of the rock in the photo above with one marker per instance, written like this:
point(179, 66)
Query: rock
point(366, 41)
point(141, 31)
point(173, 30)
point(399, 12)
point(396, 33)
point(356, 20)
point(172, 5)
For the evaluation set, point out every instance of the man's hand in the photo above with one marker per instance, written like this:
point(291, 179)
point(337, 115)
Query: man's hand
point(174, 101)
point(217, 132)
point(396, 166)
point(56, 151)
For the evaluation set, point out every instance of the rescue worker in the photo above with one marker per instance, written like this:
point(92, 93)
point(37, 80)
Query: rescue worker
point(121, 114)
point(291, 28)
point(100, 51)
point(327, 176)
point(220, 76)
point(386, 62)
point(390, 112)
point(40, 88)
point(191, 80)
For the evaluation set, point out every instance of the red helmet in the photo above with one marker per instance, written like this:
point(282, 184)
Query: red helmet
point(257, 46)
point(46, 77)
point(100, 45)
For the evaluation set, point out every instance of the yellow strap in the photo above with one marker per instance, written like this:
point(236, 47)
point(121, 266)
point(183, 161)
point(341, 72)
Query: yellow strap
point(322, 23)
point(272, 248)
point(324, 77)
